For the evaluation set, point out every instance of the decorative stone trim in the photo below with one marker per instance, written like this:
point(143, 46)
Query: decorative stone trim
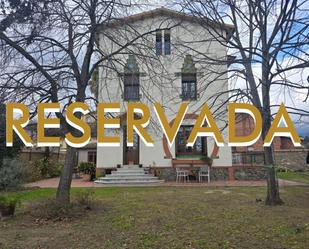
point(131, 65)
point(188, 66)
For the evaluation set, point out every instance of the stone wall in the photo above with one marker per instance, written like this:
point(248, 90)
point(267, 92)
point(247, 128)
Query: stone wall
point(248, 174)
point(169, 174)
point(219, 174)
point(292, 159)
point(295, 159)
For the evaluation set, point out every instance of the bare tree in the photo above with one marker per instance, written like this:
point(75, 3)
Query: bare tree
point(269, 43)
point(50, 54)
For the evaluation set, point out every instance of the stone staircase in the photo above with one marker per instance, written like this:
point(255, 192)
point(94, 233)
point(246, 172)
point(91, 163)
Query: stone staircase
point(129, 175)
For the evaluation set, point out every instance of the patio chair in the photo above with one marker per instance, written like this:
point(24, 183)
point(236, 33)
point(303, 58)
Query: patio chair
point(204, 172)
point(182, 173)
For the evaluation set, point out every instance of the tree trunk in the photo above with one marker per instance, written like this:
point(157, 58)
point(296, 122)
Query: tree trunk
point(64, 187)
point(63, 192)
point(46, 154)
point(273, 196)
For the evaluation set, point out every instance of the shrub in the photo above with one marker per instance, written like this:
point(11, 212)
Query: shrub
point(88, 168)
point(85, 198)
point(33, 173)
point(8, 204)
point(48, 168)
point(84, 167)
point(43, 168)
point(51, 210)
point(56, 169)
point(283, 169)
point(12, 174)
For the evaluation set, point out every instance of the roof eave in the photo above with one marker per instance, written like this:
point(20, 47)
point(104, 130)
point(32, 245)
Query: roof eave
point(167, 12)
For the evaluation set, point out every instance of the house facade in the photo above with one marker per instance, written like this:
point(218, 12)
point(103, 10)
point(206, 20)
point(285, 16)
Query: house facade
point(163, 66)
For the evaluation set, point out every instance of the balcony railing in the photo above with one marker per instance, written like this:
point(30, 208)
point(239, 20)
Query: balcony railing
point(248, 158)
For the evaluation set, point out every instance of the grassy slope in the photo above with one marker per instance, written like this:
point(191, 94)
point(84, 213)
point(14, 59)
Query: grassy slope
point(169, 218)
point(295, 176)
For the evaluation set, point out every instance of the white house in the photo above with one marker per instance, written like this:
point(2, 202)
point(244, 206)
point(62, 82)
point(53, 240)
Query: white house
point(162, 66)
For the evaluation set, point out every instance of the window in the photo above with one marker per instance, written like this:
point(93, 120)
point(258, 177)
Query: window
point(92, 157)
point(131, 87)
point(158, 42)
point(131, 79)
point(199, 147)
point(188, 83)
point(167, 42)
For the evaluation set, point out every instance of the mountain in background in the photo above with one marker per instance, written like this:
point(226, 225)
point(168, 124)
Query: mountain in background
point(303, 130)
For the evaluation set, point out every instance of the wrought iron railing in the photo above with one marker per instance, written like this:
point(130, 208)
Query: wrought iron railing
point(248, 158)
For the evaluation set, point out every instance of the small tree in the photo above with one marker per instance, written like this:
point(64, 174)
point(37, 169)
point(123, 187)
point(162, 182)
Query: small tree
point(11, 170)
point(12, 174)
point(7, 152)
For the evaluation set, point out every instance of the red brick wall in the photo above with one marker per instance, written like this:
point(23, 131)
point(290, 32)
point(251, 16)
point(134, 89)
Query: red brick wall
point(286, 144)
point(245, 125)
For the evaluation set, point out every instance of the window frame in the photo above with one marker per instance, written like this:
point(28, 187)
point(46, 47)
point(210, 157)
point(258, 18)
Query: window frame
point(194, 151)
point(159, 43)
point(188, 78)
point(92, 154)
point(134, 83)
point(167, 41)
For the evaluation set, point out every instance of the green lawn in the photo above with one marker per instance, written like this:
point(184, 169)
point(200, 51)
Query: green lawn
point(295, 176)
point(167, 217)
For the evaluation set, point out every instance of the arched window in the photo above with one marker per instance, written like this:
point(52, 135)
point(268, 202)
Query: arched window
point(131, 80)
point(188, 79)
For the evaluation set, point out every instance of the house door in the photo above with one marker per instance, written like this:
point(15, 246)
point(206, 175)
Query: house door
point(130, 154)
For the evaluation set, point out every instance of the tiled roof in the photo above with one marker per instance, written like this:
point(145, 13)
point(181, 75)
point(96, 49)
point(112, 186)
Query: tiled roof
point(169, 13)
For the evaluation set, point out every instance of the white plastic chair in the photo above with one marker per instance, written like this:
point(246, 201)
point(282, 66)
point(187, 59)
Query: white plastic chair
point(181, 173)
point(204, 172)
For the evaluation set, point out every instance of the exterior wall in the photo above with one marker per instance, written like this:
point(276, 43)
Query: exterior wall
point(82, 153)
point(245, 125)
point(161, 82)
point(110, 157)
point(82, 156)
point(292, 159)
point(286, 144)
point(154, 156)
point(32, 156)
